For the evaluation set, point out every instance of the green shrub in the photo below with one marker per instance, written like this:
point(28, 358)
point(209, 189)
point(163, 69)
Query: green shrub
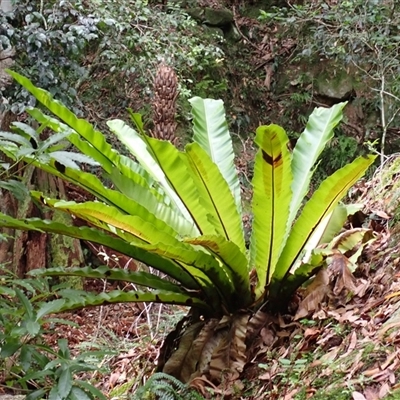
point(26, 361)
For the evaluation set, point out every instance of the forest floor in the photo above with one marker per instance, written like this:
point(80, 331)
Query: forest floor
point(346, 348)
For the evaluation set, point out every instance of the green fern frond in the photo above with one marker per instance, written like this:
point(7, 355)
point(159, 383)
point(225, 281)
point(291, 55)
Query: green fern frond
point(162, 386)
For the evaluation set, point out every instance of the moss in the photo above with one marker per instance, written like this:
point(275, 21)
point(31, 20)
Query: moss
point(66, 251)
point(334, 83)
point(337, 394)
point(218, 17)
point(393, 396)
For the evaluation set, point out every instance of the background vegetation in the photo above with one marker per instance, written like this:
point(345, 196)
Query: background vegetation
point(82, 51)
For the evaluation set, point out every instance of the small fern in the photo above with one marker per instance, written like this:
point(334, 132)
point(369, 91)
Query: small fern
point(165, 387)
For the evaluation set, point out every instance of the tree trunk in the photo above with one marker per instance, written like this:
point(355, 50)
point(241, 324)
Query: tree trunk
point(25, 251)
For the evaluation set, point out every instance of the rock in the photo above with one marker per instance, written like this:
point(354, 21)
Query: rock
point(335, 84)
point(218, 17)
point(197, 13)
point(232, 34)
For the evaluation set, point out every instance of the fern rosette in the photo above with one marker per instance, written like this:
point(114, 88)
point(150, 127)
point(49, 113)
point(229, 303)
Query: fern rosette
point(180, 212)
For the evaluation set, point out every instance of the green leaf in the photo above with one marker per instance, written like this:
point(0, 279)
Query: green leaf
point(55, 142)
point(25, 356)
point(108, 156)
point(140, 149)
point(54, 395)
point(32, 327)
point(217, 197)
point(351, 239)
point(324, 233)
point(32, 286)
point(132, 228)
point(49, 308)
point(9, 348)
point(134, 171)
point(37, 375)
point(137, 120)
point(64, 384)
point(53, 364)
point(103, 272)
point(174, 165)
point(78, 299)
point(312, 141)
point(94, 186)
point(217, 273)
point(211, 133)
point(4, 165)
point(26, 129)
point(63, 348)
point(8, 148)
point(18, 189)
point(271, 199)
point(16, 138)
point(137, 146)
point(78, 394)
point(235, 265)
point(325, 198)
point(25, 302)
point(91, 389)
point(169, 267)
point(84, 146)
point(23, 152)
point(41, 358)
point(137, 229)
point(333, 224)
point(7, 291)
point(37, 394)
point(154, 203)
point(70, 159)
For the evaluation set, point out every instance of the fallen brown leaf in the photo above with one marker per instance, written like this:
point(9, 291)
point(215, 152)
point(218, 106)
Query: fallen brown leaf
point(358, 396)
point(315, 294)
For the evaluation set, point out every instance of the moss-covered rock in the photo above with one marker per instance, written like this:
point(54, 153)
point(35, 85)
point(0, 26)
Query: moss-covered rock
point(334, 83)
point(197, 13)
point(221, 17)
point(218, 17)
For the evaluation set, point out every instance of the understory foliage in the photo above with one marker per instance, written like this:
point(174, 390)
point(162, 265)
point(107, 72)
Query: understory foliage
point(165, 387)
point(76, 48)
point(27, 363)
point(346, 31)
point(180, 212)
point(361, 38)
